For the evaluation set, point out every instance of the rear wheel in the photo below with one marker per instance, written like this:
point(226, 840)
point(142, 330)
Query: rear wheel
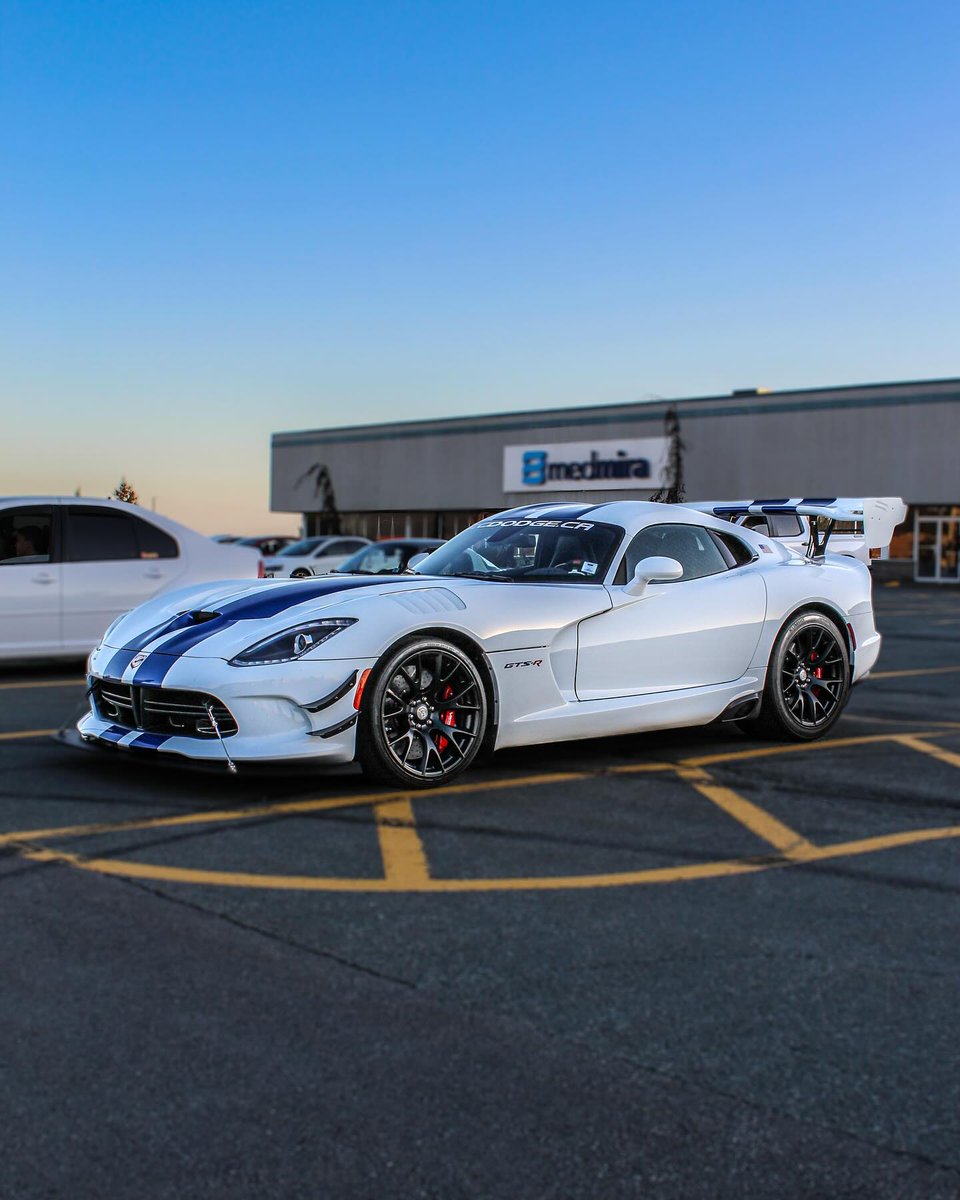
point(423, 717)
point(808, 681)
point(300, 573)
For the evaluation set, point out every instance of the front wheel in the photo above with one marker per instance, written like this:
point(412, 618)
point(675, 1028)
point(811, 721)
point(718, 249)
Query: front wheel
point(423, 717)
point(808, 681)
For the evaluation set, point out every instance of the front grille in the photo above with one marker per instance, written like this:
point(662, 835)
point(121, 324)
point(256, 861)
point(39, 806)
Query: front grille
point(162, 710)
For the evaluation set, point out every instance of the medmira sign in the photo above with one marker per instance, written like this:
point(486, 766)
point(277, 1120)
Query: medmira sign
point(585, 466)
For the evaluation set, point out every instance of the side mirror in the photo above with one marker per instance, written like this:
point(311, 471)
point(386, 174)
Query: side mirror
point(417, 559)
point(653, 570)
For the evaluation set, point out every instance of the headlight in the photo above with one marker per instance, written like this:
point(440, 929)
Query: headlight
point(292, 643)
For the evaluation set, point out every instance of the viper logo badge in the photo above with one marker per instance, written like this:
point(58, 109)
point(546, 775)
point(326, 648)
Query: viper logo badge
point(137, 660)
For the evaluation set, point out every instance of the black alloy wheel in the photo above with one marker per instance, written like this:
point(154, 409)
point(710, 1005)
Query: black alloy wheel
point(423, 716)
point(808, 680)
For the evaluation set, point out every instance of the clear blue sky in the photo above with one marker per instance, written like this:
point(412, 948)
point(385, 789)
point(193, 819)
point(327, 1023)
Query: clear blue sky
point(223, 219)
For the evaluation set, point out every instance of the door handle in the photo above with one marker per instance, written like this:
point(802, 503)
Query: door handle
point(44, 579)
point(153, 575)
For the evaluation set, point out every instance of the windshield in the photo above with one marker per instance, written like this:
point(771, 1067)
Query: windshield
point(511, 548)
point(299, 549)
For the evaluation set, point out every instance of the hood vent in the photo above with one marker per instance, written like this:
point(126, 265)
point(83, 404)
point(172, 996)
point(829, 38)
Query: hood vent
point(428, 600)
point(198, 616)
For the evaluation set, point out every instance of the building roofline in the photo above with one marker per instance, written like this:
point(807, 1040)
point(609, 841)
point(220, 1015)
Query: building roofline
point(746, 402)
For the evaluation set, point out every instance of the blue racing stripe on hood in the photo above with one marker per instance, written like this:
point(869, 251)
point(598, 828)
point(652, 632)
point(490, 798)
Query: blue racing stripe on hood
point(122, 659)
point(254, 607)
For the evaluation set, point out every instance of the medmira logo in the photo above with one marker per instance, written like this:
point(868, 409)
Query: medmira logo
point(538, 469)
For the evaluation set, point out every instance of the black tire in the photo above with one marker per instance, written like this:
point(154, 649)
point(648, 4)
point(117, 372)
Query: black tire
point(424, 715)
point(808, 681)
point(300, 573)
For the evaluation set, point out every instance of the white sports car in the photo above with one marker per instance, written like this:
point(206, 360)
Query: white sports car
point(542, 624)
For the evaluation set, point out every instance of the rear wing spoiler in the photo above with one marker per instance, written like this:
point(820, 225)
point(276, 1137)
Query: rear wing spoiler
point(879, 515)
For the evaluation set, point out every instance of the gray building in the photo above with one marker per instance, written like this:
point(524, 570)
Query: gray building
point(433, 478)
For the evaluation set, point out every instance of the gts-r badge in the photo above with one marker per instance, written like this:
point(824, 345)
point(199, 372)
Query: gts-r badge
point(530, 662)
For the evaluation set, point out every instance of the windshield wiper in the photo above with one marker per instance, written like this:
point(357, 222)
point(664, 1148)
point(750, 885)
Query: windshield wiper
point(495, 576)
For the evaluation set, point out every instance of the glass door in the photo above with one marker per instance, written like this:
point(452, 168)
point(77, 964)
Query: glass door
point(938, 550)
point(949, 550)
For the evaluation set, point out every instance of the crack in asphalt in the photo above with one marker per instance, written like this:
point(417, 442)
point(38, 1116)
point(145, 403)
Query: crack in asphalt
point(776, 1110)
point(707, 1090)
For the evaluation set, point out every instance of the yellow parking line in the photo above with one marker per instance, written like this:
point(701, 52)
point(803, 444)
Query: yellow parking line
point(255, 811)
point(404, 858)
point(312, 883)
point(705, 760)
point(940, 725)
point(41, 683)
point(909, 837)
point(194, 818)
point(656, 875)
point(917, 743)
point(913, 671)
point(26, 733)
point(790, 843)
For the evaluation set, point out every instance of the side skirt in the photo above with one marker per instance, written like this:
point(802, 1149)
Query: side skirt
point(633, 714)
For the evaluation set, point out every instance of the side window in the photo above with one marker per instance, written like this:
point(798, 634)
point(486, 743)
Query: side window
point(341, 546)
point(383, 559)
point(99, 535)
point(154, 542)
point(785, 525)
point(26, 535)
point(690, 545)
point(735, 552)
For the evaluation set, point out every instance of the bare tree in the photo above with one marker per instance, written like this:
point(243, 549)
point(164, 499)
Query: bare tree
point(323, 491)
point(673, 490)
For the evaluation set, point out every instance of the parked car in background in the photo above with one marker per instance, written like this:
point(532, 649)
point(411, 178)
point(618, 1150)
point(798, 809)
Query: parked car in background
point(388, 557)
point(69, 566)
point(312, 556)
point(268, 546)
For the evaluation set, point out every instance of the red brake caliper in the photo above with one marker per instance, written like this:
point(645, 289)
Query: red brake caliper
point(448, 718)
point(818, 671)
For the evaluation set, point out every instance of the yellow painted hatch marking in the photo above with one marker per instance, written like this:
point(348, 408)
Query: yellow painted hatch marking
point(790, 843)
point(404, 858)
point(405, 861)
point(940, 752)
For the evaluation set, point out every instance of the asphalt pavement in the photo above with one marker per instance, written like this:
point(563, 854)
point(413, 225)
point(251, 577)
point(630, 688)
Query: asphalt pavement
point(674, 965)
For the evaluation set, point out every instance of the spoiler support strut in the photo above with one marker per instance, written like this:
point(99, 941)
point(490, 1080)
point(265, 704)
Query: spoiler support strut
point(820, 530)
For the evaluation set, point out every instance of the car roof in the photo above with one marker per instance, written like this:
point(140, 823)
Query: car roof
point(65, 500)
point(628, 513)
